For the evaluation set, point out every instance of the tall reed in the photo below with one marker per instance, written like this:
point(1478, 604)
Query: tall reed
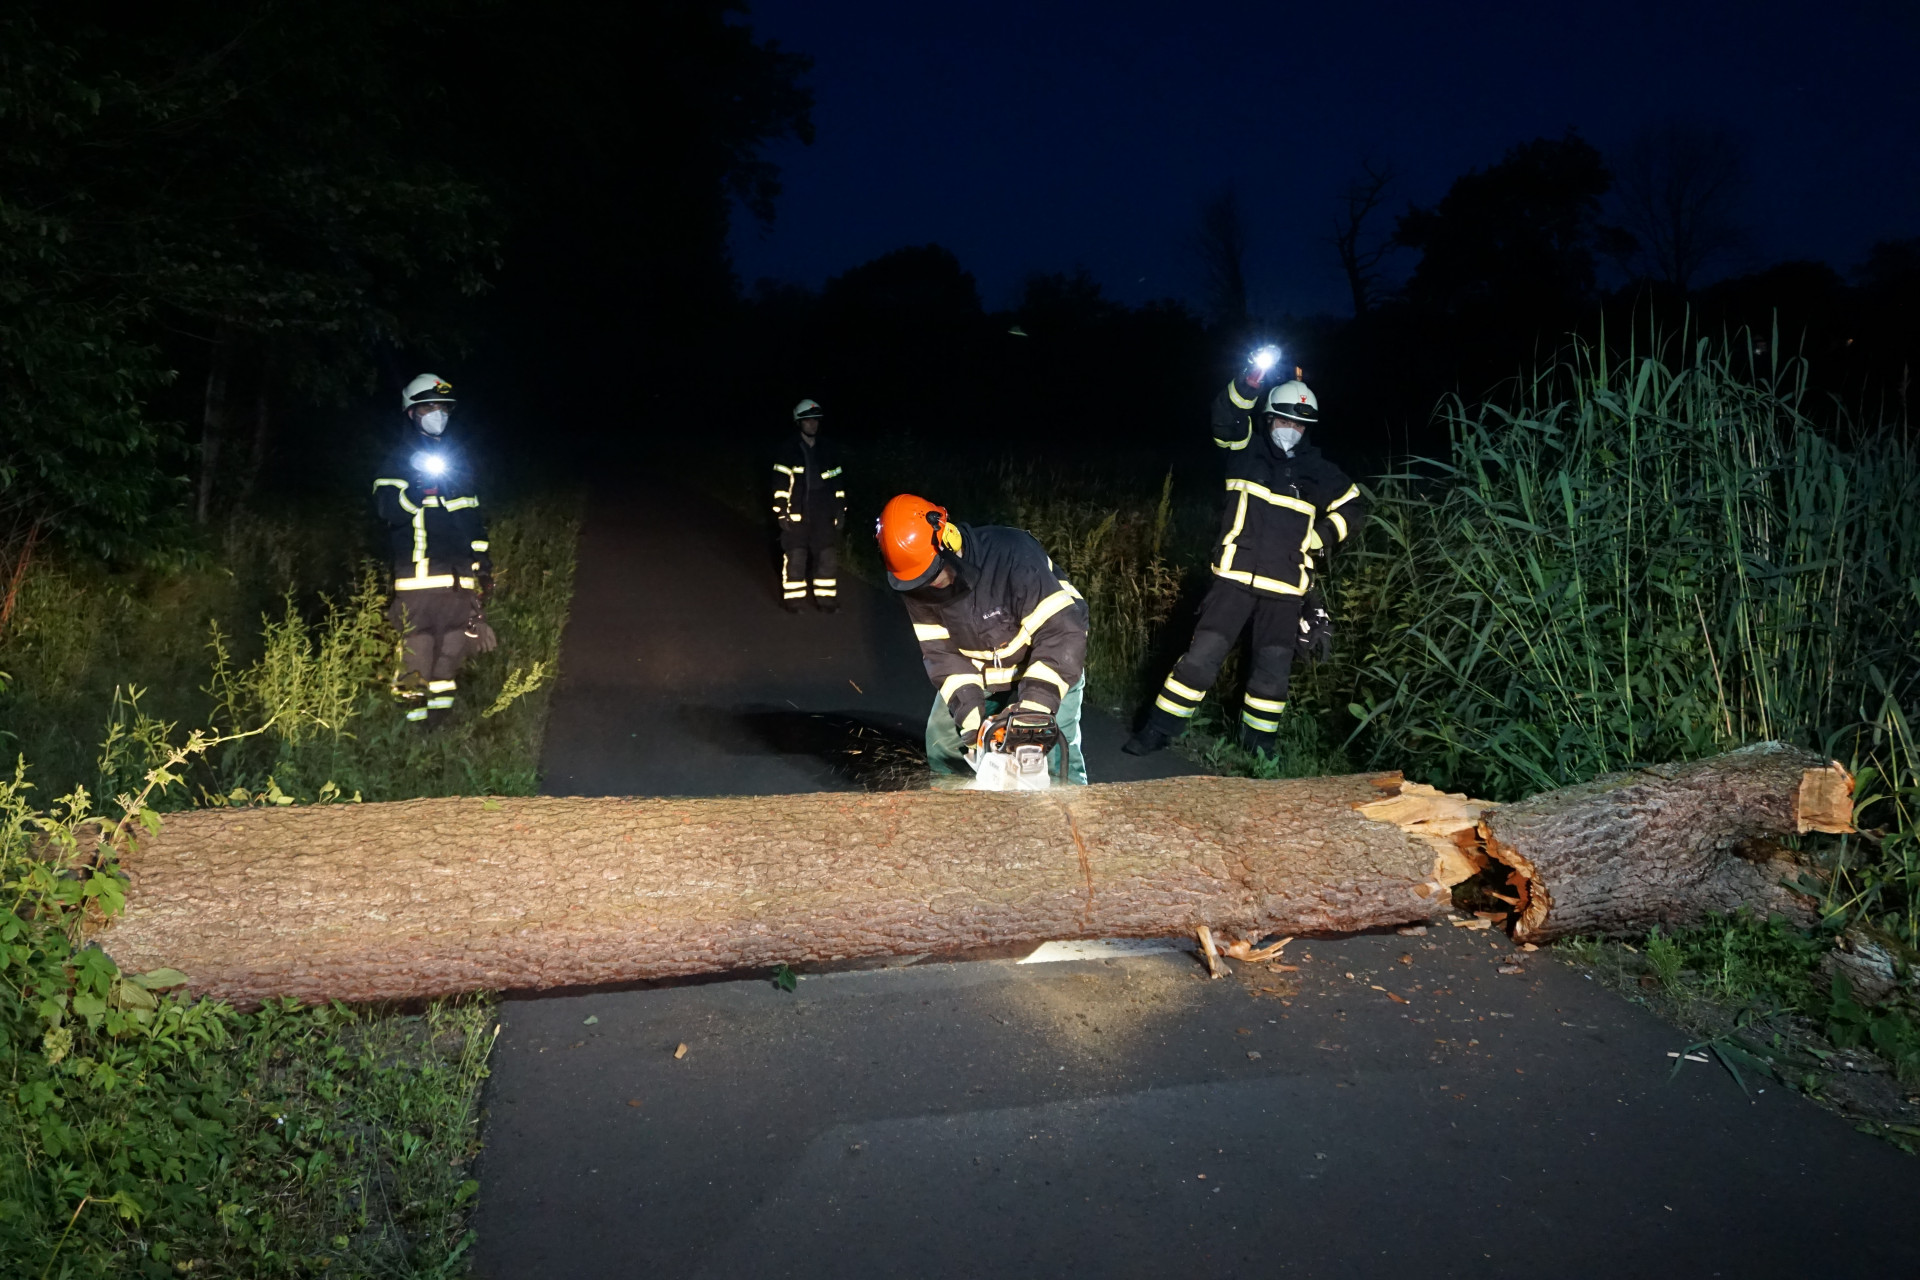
point(1640, 557)
point(1116, 555)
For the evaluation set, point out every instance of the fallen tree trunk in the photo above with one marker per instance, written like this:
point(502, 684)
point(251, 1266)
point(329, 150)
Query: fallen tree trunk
point(1665, 846)
point(428, 897)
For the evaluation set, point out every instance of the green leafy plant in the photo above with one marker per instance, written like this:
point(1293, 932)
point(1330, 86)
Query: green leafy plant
point(1665, 956)
point(145, 1132)
point(1886, 1030)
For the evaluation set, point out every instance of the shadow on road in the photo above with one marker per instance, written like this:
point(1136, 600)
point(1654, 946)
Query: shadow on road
point(868, 751)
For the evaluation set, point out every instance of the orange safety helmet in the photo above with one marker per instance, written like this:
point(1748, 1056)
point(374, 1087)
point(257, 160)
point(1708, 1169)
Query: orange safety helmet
point(912, 533)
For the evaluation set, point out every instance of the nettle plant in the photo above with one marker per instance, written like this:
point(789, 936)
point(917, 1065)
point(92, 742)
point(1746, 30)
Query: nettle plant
point(79, 1039)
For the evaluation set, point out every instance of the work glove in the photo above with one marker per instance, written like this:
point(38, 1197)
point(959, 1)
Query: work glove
point(1315, 641)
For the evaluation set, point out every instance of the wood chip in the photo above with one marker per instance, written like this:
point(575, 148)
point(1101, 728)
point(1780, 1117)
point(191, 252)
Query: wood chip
point(1471, 924)
point(1397, 999)
point(1214, 968)
point(1243, 950)
point(1510, 968)
point(681, 1052)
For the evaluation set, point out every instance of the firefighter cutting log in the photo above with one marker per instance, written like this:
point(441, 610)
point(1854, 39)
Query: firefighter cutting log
point(1002, 632)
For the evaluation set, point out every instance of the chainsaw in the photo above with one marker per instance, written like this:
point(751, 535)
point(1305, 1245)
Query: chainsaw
point(1011, 751)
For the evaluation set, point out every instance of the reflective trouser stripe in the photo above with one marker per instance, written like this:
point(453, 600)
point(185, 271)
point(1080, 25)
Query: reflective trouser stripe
point(1255, 722)
point(1186, 691)
point(1266, 704)
point(1177, 699)
point(442, 686)
point(439, 704)
point(423, 582)
point(418, 713)
point(791, 588)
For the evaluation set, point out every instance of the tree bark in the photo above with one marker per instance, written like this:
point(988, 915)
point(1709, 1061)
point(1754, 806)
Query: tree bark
point(1665, 846)
point(429, 897)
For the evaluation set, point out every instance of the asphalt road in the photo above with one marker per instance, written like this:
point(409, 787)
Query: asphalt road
point(1118, 1117)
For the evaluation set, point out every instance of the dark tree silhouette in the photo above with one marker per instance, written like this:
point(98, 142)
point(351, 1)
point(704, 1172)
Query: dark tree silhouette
point(1221, 246)
point(1359, 259)
point(1679, 189)
point(1517, 240)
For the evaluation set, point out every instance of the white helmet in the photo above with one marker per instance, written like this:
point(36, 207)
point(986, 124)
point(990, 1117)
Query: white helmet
point(808, 409)
point(1294, 400)
point(428, 388)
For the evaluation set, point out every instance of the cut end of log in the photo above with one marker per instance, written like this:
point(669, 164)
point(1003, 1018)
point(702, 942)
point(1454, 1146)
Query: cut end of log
point(1826, 800)
point(1449, 822)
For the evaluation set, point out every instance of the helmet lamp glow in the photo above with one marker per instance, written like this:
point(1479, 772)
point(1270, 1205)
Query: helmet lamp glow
point(1265, 358)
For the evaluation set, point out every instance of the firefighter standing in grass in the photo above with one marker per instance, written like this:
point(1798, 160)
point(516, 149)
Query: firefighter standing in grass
point(810, 502)
point(441, 567)
point(999, 629)
point(1285, 502)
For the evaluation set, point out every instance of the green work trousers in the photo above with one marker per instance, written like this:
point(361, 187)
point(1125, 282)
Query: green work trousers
point(947, 754)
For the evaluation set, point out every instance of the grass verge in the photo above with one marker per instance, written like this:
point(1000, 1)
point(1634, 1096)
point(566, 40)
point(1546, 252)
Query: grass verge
point(144, 1133)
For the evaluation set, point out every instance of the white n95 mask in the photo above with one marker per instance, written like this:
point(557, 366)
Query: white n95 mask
point(1287, 437)
point(434, 421)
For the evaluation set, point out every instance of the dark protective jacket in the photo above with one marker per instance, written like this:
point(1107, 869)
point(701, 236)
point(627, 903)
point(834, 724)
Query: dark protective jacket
point(437, 536)
point(1280, 507)
point(808, 488)
point(1013, 620)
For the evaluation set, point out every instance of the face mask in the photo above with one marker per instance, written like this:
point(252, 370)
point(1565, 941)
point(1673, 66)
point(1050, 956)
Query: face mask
point(1286, 437)
point(433, 421)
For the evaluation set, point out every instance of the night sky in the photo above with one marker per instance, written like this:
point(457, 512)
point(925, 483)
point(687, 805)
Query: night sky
point(1040, 137)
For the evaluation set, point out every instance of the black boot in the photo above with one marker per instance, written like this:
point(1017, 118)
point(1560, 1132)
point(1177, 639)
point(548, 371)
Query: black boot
point(1254, 740)
point(1149, 740)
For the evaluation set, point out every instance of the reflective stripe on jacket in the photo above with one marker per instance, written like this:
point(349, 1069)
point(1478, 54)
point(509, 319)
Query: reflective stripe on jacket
point(808, 482)
point(1279, 507)
point(436, 534)
point(1017, 621)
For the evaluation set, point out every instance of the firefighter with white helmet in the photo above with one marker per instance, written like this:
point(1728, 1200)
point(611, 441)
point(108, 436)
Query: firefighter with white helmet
point(1285, 503)
point(442, 570)
point(810, 505)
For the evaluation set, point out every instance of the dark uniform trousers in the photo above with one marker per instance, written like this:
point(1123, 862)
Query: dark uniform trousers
point(442, 628)
point(809, 551)
point(1224, 613)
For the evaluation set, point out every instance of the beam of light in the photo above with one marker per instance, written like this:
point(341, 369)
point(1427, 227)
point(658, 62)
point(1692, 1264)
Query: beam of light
point(431, 464)
point(1265, 358)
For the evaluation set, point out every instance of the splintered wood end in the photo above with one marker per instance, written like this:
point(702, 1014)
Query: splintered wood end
point(1826, 800)
point(1447, 821)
